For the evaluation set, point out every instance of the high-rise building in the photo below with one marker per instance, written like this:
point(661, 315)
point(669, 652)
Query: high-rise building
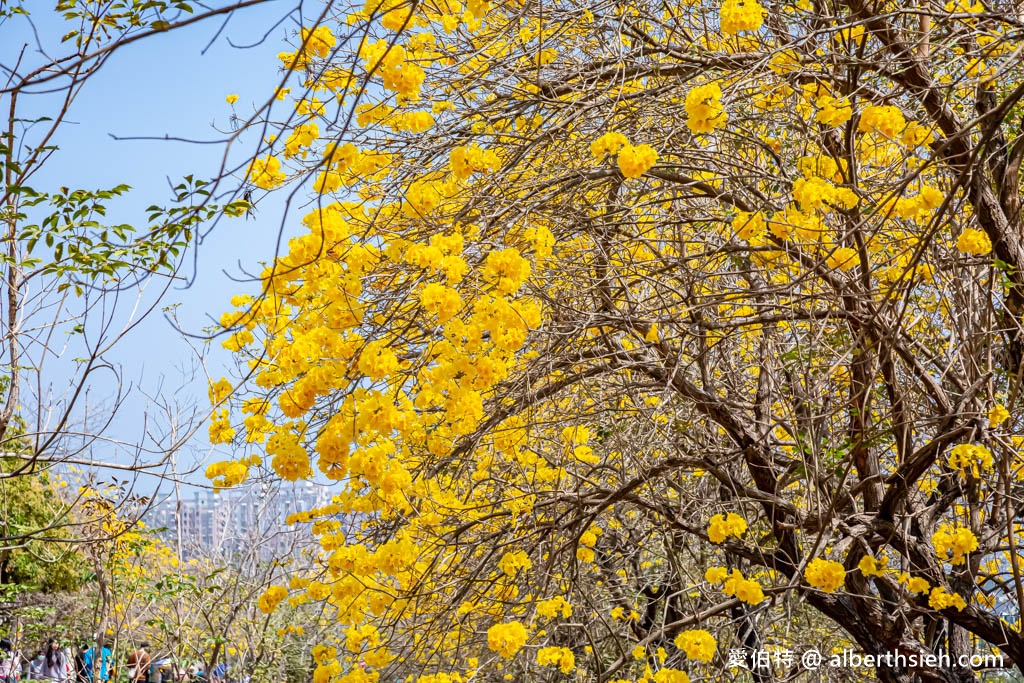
point(244, 522)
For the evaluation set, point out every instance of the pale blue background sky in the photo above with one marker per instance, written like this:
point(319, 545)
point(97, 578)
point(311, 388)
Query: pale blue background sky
point(165, 86)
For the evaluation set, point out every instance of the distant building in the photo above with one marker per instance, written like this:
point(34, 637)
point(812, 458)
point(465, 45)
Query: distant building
point(244, 522)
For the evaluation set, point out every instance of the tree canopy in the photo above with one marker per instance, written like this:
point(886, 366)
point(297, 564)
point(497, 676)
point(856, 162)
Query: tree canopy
point(75, 560)
point(638, 332)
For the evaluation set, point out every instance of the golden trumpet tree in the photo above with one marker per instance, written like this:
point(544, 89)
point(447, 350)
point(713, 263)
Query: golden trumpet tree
point(203, 610)
point(637, 333)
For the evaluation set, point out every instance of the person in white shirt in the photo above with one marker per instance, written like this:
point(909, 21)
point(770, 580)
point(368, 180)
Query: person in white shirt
point(55, 665)
point(10, 662)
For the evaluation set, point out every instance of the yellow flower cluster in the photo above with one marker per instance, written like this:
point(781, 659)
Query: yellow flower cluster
point(827, 575)
point(588, 539)
point(818, 193)
point(887, 121)
point(310, 107)
point(914, 584)
point(271, 598)
point(704, 109)
point(393, 14)
point(319, 41)
point(290, 459)
point(228, 473)
point(377, 361)
point(220, 429)
point(915, 135)
point(975, 242)
point(697, 644)
point(398, 74)
point(737, 586)
point(576, 438)
point(507, 638)
point(973, 458)
point(423, 197)
point(822, 166)
point(444, 302)
point(506, 269)
point(443, 254)
point(552, 607)
point(870, 566)
point(511, 563)
point(323, 653)
point(467, 160)
point(219, 390)
point(784, 61)
point(478, 8)
point(749, 225)
point(562, 657)
point(964, 7)
point(832, 111)
point(670, 676)
point(412, 122)
point(609, 143)
point(265, 173)
point(740, 15)
point(358, 637)
point(634, 161)
point(722, 527)
point(300, 139)
point(853, 34)
point(318, 590)
point(940, 598)
point(341, 157)
point(441, 678)
point(843, 258)
point(716, 574)
point(619, 614)
point(997, 415)
point(954, 539)
point(796, 224)
point(327, 672)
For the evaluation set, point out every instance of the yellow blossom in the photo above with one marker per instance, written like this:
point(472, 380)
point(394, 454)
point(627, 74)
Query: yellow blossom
point(973, 458)
point(507, 638)
point(704, 110)
point(740, 15)
point(940, 598)
point(956, 540)
point(724, 526)
point(265, 173)
point(635, 161)
point(827, 575)
point(997, 415)
point(870, 566)
point(562, 657)
point(974, 242)
point(697, 644)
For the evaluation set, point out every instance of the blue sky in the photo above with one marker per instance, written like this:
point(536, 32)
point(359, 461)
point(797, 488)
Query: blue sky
point(166, 86)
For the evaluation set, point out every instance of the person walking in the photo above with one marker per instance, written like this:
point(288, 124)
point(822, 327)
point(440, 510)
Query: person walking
point(139, 662)
point(10, 662)
point(55, 664)
point(89, 660)
point(78, 663)
point(35, 667)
